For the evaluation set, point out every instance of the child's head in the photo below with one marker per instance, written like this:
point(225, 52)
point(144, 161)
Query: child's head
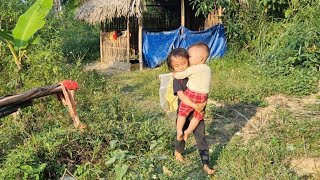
point(178, 60)
point(199, 53)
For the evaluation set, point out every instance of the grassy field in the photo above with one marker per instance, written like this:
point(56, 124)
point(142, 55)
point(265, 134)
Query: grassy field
point(262, 119)
point(129, 136)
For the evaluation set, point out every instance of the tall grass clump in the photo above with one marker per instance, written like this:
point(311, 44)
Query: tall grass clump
point(280, 36)
point(291, 48)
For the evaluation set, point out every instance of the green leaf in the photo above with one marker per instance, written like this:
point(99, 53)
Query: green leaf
point(153, 144)
point(5, 35)
point(41, 167)
point(35, 40)
point(26, 168)
point(287, 13)
point(30, 22)
point(111, 161)
point(120, 171)
point(113, 144)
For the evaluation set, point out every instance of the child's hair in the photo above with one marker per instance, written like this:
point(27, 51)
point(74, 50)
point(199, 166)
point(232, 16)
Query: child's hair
point(178, 52)
point(203, 46)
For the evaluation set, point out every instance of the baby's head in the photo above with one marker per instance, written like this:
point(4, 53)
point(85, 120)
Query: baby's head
point(178, 60)
point(199, 53)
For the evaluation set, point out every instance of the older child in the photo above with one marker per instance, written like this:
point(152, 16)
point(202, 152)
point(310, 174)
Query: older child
point(178, 60)
point(199, 75)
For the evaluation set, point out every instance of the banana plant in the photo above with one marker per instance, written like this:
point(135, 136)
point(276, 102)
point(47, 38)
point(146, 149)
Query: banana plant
point(23, 35)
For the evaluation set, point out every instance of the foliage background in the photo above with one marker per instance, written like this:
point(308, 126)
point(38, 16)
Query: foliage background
point(273, 47)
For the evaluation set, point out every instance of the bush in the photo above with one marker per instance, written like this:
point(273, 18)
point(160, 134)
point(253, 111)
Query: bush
point(291, 48)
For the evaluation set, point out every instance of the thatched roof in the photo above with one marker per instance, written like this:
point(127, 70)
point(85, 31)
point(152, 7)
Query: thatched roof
point(95, 11)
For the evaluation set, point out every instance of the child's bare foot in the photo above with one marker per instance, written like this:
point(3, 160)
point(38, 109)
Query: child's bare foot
point(185, 135)
point(179, 136)
point(208, 170)
point(179, 156)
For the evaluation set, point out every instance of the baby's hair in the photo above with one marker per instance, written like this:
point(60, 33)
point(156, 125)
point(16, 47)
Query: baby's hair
point(203, 46)
point(178, 52)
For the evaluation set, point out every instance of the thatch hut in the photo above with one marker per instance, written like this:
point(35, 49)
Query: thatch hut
point(121, 23)
point(113, 47)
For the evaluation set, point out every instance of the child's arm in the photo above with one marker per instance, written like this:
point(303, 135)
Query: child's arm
point(197, 107)
point(200, 106)
point(186, 100)
point(183, 74)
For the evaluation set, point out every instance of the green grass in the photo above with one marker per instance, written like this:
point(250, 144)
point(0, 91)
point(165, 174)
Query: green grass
point(266, 156)
point(127, 132)
point(128, 135)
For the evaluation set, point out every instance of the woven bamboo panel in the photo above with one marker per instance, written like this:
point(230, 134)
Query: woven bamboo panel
point(113, 50)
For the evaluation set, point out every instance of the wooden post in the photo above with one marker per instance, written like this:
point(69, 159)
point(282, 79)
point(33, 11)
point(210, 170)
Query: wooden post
point(140, 20)
point(101, 46)
point(182, 16)
point(101, 41)
point(182, 13)
point(128, 38)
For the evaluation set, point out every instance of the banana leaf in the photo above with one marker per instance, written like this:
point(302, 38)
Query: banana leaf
point(30, 22)
point(5, 35)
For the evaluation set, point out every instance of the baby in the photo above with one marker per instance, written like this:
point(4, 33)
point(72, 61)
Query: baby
point(199, 75)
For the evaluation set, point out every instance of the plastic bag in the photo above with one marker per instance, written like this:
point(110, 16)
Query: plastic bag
point(168, 101)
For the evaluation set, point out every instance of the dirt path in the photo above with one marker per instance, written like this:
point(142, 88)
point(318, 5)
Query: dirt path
point(248, 120)
point(297, 106)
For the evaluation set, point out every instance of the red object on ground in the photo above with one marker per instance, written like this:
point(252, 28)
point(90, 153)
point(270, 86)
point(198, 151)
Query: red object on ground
point(70, 85)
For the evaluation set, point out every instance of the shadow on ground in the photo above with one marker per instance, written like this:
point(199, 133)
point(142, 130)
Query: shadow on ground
point(227, 120)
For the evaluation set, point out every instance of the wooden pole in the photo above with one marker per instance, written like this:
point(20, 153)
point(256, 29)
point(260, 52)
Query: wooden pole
point(128, 39)
point(101, 51)
point(140, 20)
point(101, 42)
point(182, 13)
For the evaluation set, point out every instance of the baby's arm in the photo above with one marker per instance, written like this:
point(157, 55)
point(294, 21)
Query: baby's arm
point(183, 74)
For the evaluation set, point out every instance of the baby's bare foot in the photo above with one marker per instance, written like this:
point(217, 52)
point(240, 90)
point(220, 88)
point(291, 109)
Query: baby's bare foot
point(208, 170)
point(179, 156)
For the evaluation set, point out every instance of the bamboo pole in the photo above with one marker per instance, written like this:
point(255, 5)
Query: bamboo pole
point(182, 16)
point(128, 39)
point(140, 20)
point(182, 13)
point(101, 45)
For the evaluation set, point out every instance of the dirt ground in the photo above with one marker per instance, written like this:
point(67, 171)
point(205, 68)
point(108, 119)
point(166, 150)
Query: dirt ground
point(246, 121)
point(105, 69)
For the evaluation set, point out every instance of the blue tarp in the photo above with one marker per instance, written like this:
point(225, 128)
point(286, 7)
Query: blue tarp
point(157, 46)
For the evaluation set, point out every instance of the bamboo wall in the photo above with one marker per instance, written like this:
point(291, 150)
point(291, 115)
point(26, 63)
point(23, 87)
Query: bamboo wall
point(111, 50)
